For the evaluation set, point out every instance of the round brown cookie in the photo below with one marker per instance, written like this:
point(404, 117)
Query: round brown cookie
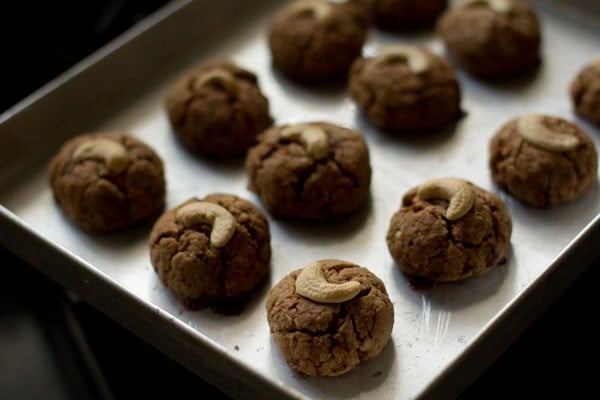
point(315, 40)
point(543, 160)
point(405, 89)
point(218, 109)
point(399, 15)
point(585, 92)
point(346, 319)
point(310, 171)
point(211, 252)
point(449, 229)
point(492, 38)
point(107, 180)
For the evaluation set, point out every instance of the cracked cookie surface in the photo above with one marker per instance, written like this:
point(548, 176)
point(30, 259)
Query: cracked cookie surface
point(320, 339)
point(396, 99)
point(539, 177)
point(218, 119)
point(291, 184)
point(98, 198)
point(201, 274)
point(310, 49)
point(426, 244)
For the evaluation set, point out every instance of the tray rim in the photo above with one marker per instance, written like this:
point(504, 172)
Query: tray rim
point(579, 249)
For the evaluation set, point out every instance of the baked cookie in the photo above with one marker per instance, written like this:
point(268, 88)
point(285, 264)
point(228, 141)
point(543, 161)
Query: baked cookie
point(310, 171)
point(107, 180)
point(315, 40)
point(400, 15)
point(449, 229)
point(585, 92)
point(211, 252)
point(492, 38)
point(543, 160)
point(329, 316)
point(406, 89)
point(217, 110)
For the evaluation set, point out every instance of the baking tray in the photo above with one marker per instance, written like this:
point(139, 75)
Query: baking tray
point(442, 339)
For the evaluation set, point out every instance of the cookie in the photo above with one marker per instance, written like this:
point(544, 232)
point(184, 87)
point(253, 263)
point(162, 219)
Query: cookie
point(543, 160)
point(316, 40)
point(312, 171)
point(449, 229)
point(585, 92)
point(329, 316)
point(211, 252)
point(217, 109)
point(401, 15)
point(406, 89)
point(492, 39)
point(105, 181)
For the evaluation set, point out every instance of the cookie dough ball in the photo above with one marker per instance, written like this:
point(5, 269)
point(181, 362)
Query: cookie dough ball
point(406, 89)
point(329, 316)
point(211, 252)
point(217, 110)
point(315, 40)
point(543, 160)
point(492, 38)
point(400, 15)
point(585, 92)
point(107, 180)
point(449, 229)
point(311, 171)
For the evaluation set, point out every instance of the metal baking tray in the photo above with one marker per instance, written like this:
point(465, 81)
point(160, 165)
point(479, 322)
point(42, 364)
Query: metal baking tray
point(442, 339)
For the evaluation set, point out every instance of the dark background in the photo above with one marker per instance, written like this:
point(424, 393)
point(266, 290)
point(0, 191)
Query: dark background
point(53, 346)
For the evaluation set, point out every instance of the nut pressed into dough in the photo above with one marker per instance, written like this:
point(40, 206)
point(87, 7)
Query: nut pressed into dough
point(406, 89)
point(293, 183)
point(217, 109)
point(329, 339)
point(536, 175)
point(316, 40)
point(425, 243)
point(105, 181)
point(203, 273)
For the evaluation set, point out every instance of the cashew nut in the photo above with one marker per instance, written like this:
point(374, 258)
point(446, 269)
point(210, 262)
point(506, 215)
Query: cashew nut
point(218, 77)
point(500, 6)
point(111, 152)
point(321, 11)
point(203, 212)
point(457, 191)
point(311, 283)
point(534, 131)
point(312, 137)
point(413, 56)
